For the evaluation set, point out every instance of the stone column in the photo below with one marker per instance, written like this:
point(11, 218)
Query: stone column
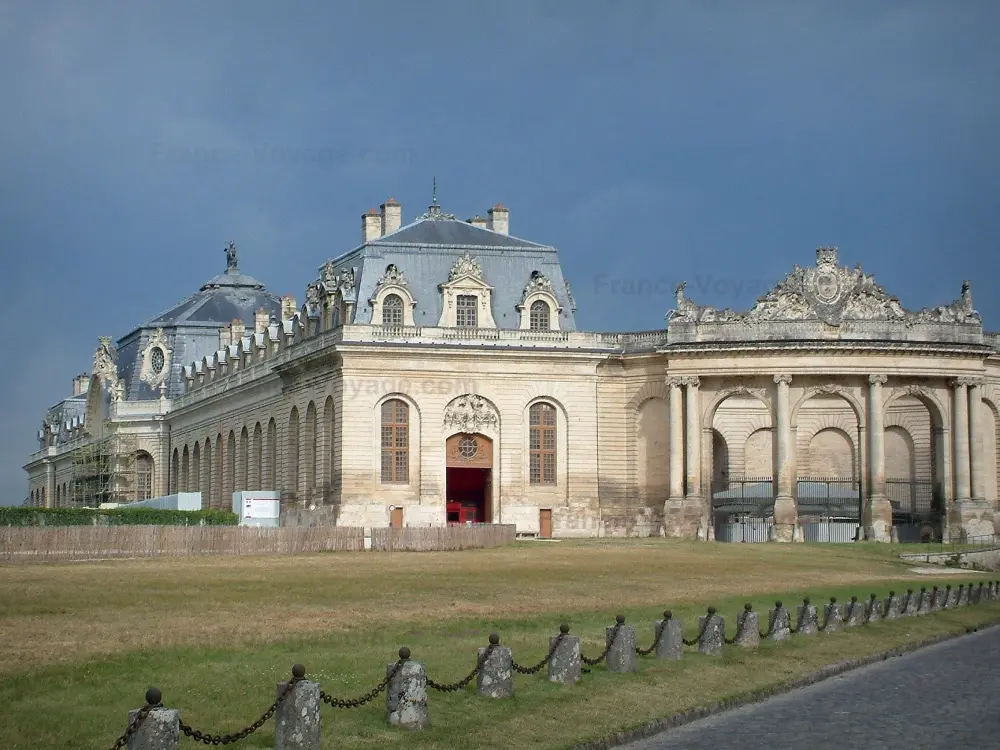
point(676, 446)
point(693, 464)
point(977, 464)
point(960, 430)
point(877, 521)
point(785, 515)
point(297, 718)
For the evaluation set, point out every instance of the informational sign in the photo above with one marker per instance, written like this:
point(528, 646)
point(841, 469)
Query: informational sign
point(257, 506)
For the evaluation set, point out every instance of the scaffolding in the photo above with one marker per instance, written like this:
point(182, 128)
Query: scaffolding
point(104, 471)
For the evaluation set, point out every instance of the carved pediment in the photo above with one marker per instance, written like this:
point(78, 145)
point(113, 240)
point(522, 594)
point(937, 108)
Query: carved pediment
point(471, 413)
point(537, 283)
point(392, 277)
point(466, 266)
point(828, 293)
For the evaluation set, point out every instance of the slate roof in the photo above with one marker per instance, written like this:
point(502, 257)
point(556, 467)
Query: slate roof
point(425, 251)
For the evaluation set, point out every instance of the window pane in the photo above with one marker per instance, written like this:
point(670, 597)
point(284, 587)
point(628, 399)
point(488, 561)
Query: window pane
point(386, 466)
point(535, 441)
point(548, 416)
point(535, 473)
point(550, 467)
point(535, 415)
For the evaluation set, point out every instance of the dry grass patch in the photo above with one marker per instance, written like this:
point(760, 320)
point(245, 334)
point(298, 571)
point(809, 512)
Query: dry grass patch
point(67, 612)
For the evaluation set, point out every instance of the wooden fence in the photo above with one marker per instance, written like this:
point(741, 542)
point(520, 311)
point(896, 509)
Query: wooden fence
point(97, 543)
point(442, 538)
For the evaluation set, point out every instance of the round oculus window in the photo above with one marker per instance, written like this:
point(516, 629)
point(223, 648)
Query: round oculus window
point(468, 447)
point(156, 361)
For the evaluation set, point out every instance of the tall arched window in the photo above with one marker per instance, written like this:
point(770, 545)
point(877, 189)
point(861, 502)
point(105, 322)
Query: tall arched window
point(395, 442)
point(175, 472)
point(229, 484)
point(271, 460)
point(329, 416)
point(292, 441)
point(243, 462)
point(185, 480)
point(310, 453)
point(256, 463)
point(392, 310)
point(542, 448)
point(143, 476)
point(218, 496)
point(539, 316)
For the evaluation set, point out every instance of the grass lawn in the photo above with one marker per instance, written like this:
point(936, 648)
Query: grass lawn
point(81, 642)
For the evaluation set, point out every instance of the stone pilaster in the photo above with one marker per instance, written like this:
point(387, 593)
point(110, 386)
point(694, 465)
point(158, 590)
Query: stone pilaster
point(693, 463)
point(877, 521)
point(785, 514)
point(960, 431)
point(681, 517)
point(977, 463)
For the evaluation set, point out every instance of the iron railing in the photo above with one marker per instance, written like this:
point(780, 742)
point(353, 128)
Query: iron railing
point(743, 496)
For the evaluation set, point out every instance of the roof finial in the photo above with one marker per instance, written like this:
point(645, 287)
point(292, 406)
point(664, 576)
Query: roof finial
point(434, 195)
point(231, 262)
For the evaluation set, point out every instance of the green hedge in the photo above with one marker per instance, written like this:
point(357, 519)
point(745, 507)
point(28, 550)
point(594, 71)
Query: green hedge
point(14, 516)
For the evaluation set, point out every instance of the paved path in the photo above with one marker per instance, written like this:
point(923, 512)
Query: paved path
point(942, 697)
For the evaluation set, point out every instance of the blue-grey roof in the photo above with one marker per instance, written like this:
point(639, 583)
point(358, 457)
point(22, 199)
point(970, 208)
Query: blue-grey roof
point(191, 328)
point(425, 251)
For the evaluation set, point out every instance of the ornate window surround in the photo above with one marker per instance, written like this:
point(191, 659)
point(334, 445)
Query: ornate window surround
point(392, 282)
point(466, 278)
point(544, 493)
point(539, 288)
point(146, 373)
point(413, 433)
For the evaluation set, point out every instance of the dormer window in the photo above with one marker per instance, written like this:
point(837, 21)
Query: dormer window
point(465, 311)
point(539, 315)
point(392, 310)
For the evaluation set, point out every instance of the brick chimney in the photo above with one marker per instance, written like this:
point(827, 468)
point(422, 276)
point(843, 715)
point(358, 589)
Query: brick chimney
point(81, 384)
point(371, 226)
point(392, 216)
point(288, 307)
point(239, 329)
point(225, 336)
point(260, 320)
point(499, 219)
point(478, 222)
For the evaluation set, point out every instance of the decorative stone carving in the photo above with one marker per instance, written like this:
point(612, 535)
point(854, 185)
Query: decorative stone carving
point(569, 296)
point(693, 381)
point(828, 388)
point(538, 283)
point(828, 293)
point(392, 277)
point(471, 414)
point(675, 381)
point(466, 266)
point(783, 379)
point(314, 297)
point(328, 276)
point(232, 263)
point(877, 379)
point(155, 365)
point(969, 382)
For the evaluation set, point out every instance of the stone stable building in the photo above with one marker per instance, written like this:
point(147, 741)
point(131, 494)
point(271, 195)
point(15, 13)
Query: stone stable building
point(434, 374)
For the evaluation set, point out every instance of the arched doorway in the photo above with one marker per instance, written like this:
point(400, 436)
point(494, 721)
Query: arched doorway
point(469, 479)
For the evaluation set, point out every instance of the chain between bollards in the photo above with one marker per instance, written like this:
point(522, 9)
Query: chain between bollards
point(153, 700)
point(667, 615)
point(563, 631)
point(404, 656)
point(704, 627)
point(747, 609)
point(494, 641)
point(619, 621)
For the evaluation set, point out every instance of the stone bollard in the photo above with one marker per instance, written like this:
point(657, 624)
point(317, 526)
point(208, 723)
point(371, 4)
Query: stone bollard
point(854, 613)
point(927, 601)
point(873, 611)
point(894, 535)
point(965, 595)
point(892, 607)
point(406, 694)
point(806, 619)
point(713, 633)
point(779, 623)
point(911, 603)
point(747, 628)
point(160, 730)
point(832, 617)
point(950, 597)
point(564, 666)
point(496, 678)
point(297, 718)
point(620, 643)
point(939, 600)
point(671, 643)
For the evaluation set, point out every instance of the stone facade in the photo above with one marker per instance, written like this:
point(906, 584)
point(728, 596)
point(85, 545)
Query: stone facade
point(434, 374)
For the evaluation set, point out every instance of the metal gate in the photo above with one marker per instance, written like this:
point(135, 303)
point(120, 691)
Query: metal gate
point(743, 509)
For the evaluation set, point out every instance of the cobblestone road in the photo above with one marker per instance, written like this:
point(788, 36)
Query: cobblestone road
point(945, 696)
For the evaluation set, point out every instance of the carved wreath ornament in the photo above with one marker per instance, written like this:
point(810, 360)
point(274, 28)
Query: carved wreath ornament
point(470, 413)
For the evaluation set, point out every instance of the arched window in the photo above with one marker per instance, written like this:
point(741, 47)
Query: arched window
point(292, 441)
point(256, 463)
point(392, 310)
point(271, 461)
point(395, 442)
point(185, 480)
point(542, 422)
point(539, 316)
point(143, 476)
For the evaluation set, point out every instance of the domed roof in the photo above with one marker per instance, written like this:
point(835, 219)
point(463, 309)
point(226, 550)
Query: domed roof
point(220, 300)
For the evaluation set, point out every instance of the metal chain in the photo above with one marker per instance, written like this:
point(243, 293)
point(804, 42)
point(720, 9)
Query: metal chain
point(906, 601)
point(533, 670)
point(704, 627)
point(656, 641)
point(739, 628)
point(226, 739)
point(134, 726)
point(599, 659)
point(827, 614)
point(850, 611)
point(869, 611)
point(770, 623)
point(367, 697)
point(462, 683)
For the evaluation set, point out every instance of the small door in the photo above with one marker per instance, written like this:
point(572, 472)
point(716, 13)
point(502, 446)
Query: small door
point(396, 518)
point(545, 524)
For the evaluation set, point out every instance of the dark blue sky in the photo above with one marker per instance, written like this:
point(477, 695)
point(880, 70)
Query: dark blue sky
point(713, 142)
